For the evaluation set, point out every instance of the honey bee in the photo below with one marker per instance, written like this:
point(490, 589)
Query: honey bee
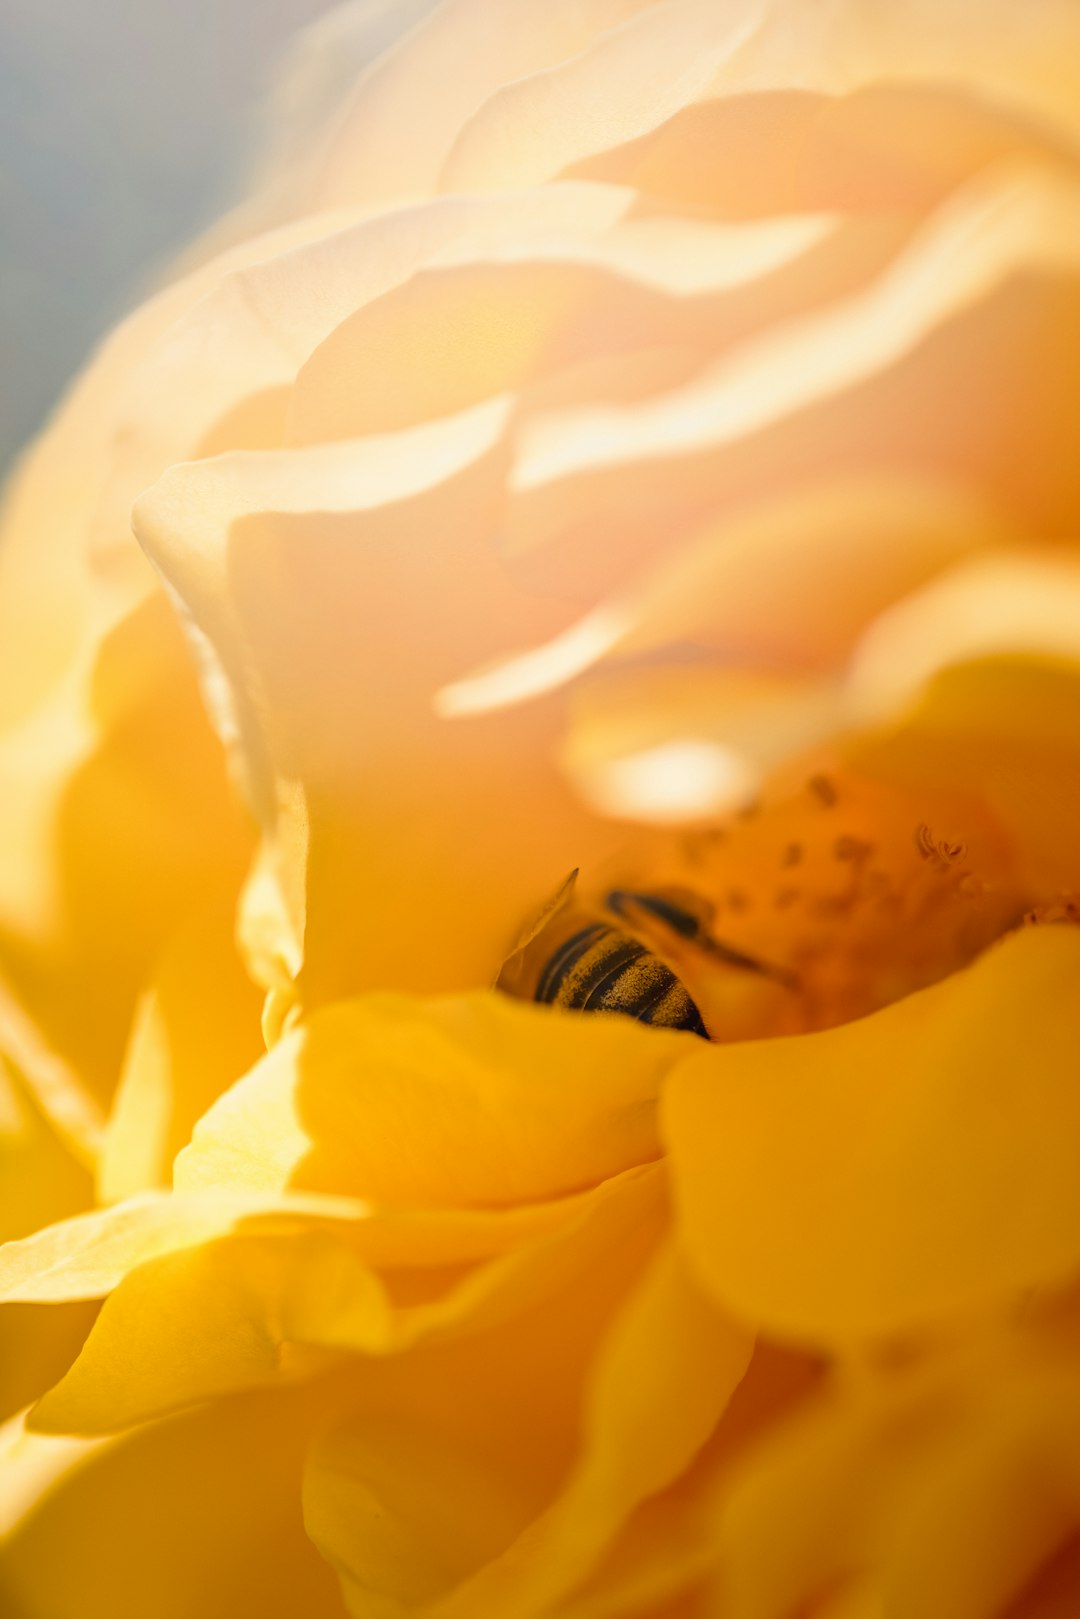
point(603, 967)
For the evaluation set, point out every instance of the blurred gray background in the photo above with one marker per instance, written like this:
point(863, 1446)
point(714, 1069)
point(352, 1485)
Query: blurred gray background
point(125, 126)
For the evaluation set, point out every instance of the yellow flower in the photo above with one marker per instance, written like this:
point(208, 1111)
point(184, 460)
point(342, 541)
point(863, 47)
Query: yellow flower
point(632, 439)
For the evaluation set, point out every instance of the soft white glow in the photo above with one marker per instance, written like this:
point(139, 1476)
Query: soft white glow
point(678, 781)
point(532, 673)
point(1024, 603)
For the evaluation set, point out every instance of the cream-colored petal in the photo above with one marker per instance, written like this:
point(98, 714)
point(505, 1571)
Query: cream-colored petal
point(675, 746)
point(790, 582)
point(1024, 61)
point(622, 85)
point(279, 560)
point(545, 295)
point(448, 65)
point(999, 226)
point(1020, 603)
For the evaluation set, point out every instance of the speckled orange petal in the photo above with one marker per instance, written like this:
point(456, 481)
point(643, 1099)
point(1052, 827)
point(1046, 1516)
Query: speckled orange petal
point(218, 1533)
point(904, 1167)
point(1006, 728)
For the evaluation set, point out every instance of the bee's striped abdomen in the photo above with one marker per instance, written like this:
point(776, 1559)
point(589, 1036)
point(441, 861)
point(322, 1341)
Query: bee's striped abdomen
point(599, 969)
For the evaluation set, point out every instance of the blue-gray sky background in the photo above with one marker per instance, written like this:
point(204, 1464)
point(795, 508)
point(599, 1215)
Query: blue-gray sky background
point(125, 126)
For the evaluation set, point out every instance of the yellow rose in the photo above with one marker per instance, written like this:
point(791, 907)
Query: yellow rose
point(628, 439)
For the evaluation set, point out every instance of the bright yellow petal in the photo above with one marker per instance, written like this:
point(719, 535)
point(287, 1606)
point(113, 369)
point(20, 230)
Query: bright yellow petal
point(38, 1342)
point(456, 1447)
point(250, 1310)
point(196, 1031)
point(940, 1486)
point(900, 1168)
point(199, 1515)
point(662, 1380)
point(85, 1257)
point(456, 1103)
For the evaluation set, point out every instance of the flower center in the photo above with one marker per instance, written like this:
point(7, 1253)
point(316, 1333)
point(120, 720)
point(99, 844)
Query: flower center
point(817, 906)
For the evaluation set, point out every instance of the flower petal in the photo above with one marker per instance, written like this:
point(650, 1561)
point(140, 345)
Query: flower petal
point(457, 1103)
point(271, 554)
point(677, 54)
point(550, 288)
point(252, 1310)
point(218, 1533)
point(1013, 604)
point(661, 1382)
point(897, 1169)
point(941, 1487)
point(456, 1447)
point(380, 151)
point(790, 582)
point(1005, 728)
point(996, 227)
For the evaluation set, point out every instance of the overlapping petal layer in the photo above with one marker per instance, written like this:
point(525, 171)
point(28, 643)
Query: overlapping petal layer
point(682, 405)
point(896, 1170)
